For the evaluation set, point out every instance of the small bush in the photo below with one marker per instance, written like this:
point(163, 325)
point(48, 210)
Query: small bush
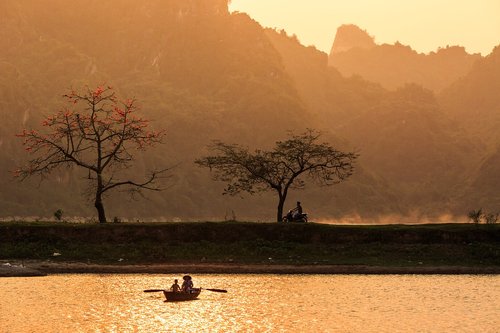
point(58, 214)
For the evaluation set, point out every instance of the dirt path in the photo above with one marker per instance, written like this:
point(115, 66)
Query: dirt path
point(31, 268)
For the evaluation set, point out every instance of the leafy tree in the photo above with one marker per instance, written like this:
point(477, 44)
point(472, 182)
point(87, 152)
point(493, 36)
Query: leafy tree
point(491, 218)
point(98, 137)
point(280, 169)
point(475, 215)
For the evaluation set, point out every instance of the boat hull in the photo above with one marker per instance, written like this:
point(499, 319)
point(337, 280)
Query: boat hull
point(181, 296)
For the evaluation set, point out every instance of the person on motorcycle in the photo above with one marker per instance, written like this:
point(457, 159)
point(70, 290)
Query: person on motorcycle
point(297, 211)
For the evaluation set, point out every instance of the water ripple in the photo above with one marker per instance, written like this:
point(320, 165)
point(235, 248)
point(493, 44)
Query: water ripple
point(254, 303)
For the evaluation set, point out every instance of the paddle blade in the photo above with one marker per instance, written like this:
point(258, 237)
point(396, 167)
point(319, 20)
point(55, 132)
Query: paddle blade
point(217, 290)
point(153, 290)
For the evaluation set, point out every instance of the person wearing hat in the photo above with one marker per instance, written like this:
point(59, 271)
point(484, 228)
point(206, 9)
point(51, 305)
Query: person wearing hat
point(187, 285)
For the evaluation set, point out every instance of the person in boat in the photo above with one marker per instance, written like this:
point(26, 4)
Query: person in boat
point(187, 285)
point(175, 287)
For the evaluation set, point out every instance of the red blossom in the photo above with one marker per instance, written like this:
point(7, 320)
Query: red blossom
point(119, 111)
point(98, 91)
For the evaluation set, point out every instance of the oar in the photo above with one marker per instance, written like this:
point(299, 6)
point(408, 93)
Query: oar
point(216, 290)
point(209, 289)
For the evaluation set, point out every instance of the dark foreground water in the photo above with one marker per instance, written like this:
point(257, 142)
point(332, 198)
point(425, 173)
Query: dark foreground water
point(254, 303)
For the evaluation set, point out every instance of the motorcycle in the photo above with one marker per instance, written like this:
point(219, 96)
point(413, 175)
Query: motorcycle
point(291, 217)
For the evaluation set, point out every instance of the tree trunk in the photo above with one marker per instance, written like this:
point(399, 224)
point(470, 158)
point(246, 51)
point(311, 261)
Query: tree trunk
point(281, 204)
point(100, 210)
point(98, 201)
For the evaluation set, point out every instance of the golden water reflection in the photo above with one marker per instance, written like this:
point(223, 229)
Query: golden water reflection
point(254, 303)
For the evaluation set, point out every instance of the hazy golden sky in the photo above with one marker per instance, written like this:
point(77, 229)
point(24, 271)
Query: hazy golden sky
point(425, 25)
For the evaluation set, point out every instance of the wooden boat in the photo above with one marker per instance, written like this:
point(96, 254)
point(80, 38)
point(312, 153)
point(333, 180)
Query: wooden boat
point(182, 296)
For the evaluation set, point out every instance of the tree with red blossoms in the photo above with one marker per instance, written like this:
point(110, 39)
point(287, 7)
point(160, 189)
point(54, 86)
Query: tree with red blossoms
point(98, 133)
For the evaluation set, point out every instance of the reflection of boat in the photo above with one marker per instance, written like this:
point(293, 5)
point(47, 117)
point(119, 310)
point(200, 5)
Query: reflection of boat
point(181, 296)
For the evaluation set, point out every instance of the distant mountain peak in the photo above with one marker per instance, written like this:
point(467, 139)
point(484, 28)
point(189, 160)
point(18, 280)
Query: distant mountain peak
point(350, 36)
point(354, 52)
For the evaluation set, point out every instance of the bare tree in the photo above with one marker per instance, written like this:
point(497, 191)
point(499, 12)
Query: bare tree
point(95, 132)
point(280, 169)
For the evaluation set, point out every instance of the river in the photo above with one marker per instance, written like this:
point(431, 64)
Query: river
point(254, 303)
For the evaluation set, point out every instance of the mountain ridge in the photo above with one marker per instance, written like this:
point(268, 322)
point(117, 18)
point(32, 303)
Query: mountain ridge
point(394, 65)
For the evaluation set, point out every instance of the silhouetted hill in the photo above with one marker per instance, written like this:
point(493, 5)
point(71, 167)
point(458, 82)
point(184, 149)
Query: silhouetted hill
point(395, 65)
point(408, 140)
point(474, 103)
point(350, 36)
point(201, 74)
point(474, 100)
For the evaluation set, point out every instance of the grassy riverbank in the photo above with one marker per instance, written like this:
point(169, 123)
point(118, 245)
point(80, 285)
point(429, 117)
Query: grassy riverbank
point(464, 245)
